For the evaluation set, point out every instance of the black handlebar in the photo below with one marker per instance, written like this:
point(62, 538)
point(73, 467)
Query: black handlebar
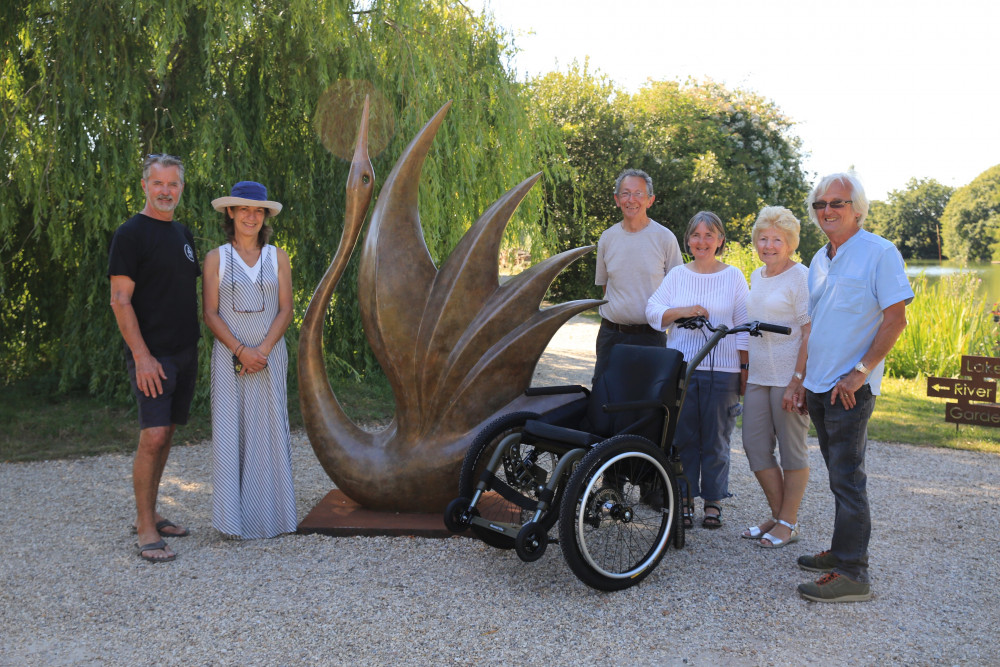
point(753, 328)
point(773, 328)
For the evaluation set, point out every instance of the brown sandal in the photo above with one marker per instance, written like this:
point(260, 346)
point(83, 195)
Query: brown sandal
point(712, 520)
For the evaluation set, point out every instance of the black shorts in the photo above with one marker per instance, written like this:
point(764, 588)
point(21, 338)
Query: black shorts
point(173, 406)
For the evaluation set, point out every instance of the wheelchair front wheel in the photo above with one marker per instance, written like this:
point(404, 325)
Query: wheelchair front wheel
point(530, 542)
point(457, 515)
point(522, 467)
point(617, 511)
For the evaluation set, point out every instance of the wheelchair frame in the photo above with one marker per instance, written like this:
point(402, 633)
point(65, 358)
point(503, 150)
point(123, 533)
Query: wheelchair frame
point(616, 499)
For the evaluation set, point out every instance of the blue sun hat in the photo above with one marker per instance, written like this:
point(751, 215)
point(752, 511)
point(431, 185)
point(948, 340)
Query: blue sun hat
point(247, 193)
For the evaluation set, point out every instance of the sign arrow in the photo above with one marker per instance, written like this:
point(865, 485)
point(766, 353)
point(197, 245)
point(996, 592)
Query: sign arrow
point(961, 389)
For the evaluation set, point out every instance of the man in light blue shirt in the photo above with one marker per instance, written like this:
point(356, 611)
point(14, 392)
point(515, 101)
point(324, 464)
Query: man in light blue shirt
point(858, 292)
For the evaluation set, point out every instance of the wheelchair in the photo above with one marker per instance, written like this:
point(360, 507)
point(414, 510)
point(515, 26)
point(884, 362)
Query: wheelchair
point(602, 466)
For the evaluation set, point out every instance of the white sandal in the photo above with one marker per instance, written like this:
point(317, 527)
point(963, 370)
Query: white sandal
point(775, 543)
point(754, 532)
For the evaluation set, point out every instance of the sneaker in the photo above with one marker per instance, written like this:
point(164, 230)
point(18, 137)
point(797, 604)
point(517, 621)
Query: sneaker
point(833, 587)
point(821, 562)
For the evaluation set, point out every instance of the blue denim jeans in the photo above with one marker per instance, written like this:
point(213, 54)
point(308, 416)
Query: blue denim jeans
point(703, 430)
point(843, 440)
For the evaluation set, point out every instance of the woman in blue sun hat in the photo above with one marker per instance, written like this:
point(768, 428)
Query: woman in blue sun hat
point(247, 300)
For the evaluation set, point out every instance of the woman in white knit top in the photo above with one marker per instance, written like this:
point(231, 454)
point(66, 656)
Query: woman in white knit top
point(708, 287)
point(774, 402)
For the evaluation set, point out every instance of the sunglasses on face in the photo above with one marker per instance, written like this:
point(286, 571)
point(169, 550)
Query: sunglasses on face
point(836, 203)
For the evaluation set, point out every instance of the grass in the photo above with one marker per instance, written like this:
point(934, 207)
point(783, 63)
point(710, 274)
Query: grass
point(40, 424)
point(904, 413)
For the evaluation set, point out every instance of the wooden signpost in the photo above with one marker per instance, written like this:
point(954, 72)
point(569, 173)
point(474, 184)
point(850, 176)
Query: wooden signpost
point(985, 412)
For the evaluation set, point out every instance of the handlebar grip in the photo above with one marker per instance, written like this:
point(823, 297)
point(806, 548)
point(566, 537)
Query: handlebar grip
point(695, 322)
point(774, 328)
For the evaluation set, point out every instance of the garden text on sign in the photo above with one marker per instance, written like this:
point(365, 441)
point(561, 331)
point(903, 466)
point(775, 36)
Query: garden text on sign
point(966, 392)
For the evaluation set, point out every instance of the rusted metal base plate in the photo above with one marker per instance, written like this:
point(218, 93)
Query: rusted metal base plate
point(338, 515)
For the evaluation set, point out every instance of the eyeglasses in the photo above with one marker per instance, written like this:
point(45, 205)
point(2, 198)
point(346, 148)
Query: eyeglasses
point(836, 203)
point(260, 282)
point(632, 195)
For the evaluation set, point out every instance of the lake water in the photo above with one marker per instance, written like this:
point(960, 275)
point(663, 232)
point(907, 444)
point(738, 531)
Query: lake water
point(988, 273)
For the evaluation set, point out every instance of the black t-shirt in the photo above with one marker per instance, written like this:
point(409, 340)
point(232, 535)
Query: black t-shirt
point(159, 256)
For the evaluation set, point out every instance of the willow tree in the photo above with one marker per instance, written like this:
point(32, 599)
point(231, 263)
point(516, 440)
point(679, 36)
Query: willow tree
point(240, 90)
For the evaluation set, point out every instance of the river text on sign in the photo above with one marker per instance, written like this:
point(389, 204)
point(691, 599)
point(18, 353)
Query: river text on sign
point(963, 390)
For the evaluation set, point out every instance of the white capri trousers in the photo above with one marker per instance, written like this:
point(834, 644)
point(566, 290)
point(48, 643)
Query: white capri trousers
point(764, 422)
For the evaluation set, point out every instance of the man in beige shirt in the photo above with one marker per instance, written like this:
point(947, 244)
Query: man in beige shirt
point(633, 256)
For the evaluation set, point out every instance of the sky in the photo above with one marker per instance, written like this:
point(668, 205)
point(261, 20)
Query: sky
point(894, 89)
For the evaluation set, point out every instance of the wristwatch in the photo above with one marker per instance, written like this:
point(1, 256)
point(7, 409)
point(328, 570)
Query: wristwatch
point(864, 370)
point(798, 376)
point(744, 367)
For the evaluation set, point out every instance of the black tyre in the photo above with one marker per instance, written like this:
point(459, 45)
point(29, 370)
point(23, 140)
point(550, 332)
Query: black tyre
point(455, 517)
point(523, 468)
point(617, 513)
point(530, 542)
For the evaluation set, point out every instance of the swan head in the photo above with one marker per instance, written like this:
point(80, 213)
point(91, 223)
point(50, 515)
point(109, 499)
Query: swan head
point(361, 177)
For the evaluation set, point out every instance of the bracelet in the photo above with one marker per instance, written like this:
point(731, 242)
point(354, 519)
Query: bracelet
point(238, 350)
point(744, 367)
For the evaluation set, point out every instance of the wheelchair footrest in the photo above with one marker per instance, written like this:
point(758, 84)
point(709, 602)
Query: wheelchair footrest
point(502, 527)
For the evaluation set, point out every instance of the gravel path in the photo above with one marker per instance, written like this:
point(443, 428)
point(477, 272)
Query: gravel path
point(73, 592)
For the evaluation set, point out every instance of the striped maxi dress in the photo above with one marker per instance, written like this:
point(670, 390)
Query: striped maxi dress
point(252, 469)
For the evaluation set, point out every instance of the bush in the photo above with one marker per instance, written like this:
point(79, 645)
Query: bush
point(742, 256)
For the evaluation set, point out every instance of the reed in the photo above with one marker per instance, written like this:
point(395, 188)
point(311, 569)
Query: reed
point(947, 319)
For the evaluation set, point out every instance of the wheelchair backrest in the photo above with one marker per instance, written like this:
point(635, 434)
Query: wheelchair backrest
point(636, 373)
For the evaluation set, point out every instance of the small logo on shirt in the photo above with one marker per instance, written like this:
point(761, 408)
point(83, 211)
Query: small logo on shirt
point(189, 252)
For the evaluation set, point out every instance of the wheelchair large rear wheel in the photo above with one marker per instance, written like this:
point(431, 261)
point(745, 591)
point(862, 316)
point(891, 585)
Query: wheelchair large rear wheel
point(522, 467)
point(617, 511)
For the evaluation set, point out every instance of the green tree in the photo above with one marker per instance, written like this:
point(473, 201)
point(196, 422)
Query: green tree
point(578, 109)
point(240, 90)
point(911, 218)
point(728, 151)
point(704, 146)
point(971, 220)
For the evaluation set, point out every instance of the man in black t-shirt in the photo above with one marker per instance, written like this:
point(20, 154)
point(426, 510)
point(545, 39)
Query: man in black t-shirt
point(154, 270)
